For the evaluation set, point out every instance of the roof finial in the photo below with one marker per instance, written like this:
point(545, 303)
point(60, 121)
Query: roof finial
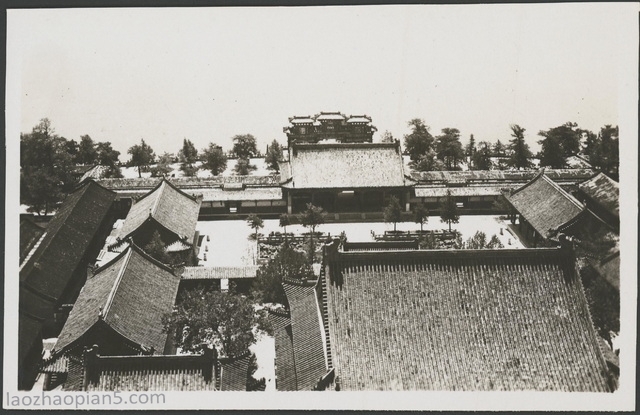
point(100, 314)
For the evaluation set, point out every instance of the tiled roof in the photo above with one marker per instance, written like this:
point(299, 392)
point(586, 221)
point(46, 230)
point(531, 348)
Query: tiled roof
point(330, 116)
point(604, 191)
point(177, 246)
point(499, 175)
point(233, 373)
point(132, 293)
point(186, 183)
point(348, 166)
point(217, 273)
point(57, 364)
point(545, 205)
point(67, 238)
point(30, 234)
point(459, 191)
point(285, 364)
point(29, 334)
point(249, 193)
point(609, 269)
point(462, 320)
point(308, 347)
point(151, 373)
point(170, 207)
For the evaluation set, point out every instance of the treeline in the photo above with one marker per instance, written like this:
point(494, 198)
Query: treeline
point(446, 152)
point(50, 164)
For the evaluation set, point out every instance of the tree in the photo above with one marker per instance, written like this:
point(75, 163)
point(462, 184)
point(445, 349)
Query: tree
point(286, 263)
point(311, 218)
point(87, 153)
point(285, 220)
point(449, 210)
point(142, 156)
point(421, 215)
point(244, 146)
point(479, 241)
point(551, 153)
point(157, 249)
point(71, 147)
point(520, 153)
point(255, 222)
point(164, 166)
point(499, 149)
point(273, 156)
point(470, 149)
point(188, 155)
point(419, 141)
point(428, 162)
point(568, 137)
point(214, 159)
point(605, 151)
point(387, 137)
point(207, 318)
point(481, 159)
point(243, 167)
point(45, 168)
point(393, 212)
point(107, 156)
point(448, 147)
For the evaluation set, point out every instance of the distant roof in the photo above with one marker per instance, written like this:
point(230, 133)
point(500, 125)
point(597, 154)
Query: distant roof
point(604, 191)
point(217, 273)
point(461, 320)
point(459, 191)
point(308, 347)
point(68, 235)
point(285, 363)
point(359, 119)
point(130, 294)
point(248, 193)
point(345, 166)
point(170, 207)
point(30, 234)
point(609, 269)
point(545, 205)
point(301, 120)
point(187, 183)
point(330, 116)
point(499, 175)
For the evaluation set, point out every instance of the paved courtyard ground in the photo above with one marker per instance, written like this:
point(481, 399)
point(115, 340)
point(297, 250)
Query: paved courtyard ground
point(229, 243)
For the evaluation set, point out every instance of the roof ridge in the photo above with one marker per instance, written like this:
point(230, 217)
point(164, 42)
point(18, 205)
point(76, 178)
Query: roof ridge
point(107, 306)
point(533, 179)
point(563, 192)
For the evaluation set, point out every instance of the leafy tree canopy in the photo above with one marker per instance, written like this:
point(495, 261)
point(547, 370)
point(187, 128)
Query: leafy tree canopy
point(499, 149)
point(255, 222)
point(107, 156)
point(421, 215)
point(603, 150)
point(209, 318)
point(214, 159)
point(428, 162)
point(244, 146)
point(46, 166)
point(142, 156)
point(163, 167)
point(519, 149)
point(566, 137)
point(393, 211)
point(243, 167)
point(311, 218)
point(420, 141)
point(448, 148)
point(188, 155)
point(449, 210)
point(87, 153)
point(387, 137)
point(287, 263)
point(273, 156)
point(481, 159)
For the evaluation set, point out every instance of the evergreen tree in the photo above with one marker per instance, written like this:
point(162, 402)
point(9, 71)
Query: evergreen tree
point(255, 223)
point(188, 155)
point(273, 156)
point(285, 220)
point(87, 153)
point(470, 149)
point(163, 168)
point(420, 141)
point(566, 137)
point(311, 218)
point(244, 146)
point(387, 137)
point(142, 156)
point(449, 210)
point(499, 149)
point(519, 149)
point(243, 167)
point(481, 159)
point(214, 159)
point(428, 162)
point(393, 212)
point(448, 148)
point(421, 215)
point(551, 154)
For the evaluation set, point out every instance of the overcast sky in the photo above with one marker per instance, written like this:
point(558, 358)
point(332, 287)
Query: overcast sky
point(120, 75)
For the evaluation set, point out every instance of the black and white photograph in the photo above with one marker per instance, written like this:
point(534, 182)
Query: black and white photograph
point(435, 202)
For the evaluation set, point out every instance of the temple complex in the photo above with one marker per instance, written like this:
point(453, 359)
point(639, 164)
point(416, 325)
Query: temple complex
point(329, 126)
